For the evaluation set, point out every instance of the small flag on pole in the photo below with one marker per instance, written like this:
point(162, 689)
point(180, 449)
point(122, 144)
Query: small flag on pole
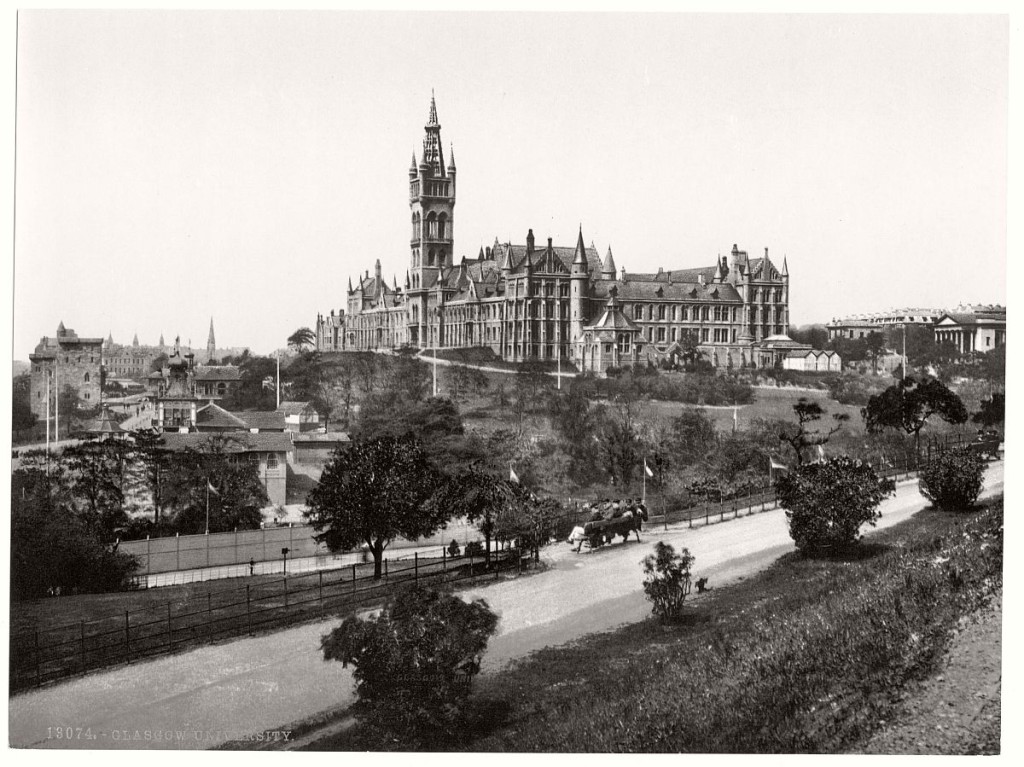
point(821, 453)
point(211, 488)
point(773, 464)
point(512, 476)
point(648, 469)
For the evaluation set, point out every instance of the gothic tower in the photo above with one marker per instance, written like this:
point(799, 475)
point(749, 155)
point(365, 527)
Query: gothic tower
point(211, 344)
point(432, 202)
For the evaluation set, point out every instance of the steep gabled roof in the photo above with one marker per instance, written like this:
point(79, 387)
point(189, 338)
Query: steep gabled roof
point(264, 420)
point(215, 417)
point(217, 373)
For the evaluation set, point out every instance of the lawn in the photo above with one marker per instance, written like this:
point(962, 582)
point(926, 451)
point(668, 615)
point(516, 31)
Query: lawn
point(808, 656)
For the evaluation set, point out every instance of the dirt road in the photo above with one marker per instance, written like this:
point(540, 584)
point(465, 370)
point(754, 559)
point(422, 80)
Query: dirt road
point(215, 694)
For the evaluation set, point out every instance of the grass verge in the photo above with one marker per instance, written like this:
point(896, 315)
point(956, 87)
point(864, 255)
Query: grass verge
point(805, 657)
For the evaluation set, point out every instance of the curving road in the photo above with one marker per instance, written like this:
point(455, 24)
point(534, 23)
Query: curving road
point(220, 693)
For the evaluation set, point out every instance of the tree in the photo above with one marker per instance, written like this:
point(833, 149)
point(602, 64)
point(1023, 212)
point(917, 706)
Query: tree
point(815, 336)
point(692, 437)
point(22, 417)
point(67, 407)
point(908, 404)
point(374, 491)
point(256, 385)
point(874, 347)
point(801, 437)
point(94, 472)
point(158, 363)
point(667, 579)
point(239, 496)
point(828, 502)
point(462, 380)
point(953, 481)
point(413, 659)
point(992, 412)
point(52, 546)
point(301, 338)
point(479, 496)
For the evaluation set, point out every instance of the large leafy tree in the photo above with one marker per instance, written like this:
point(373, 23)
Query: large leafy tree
point(374, 491)
point(256, 386)
point(908, 404)
point(827, 503)
point(411, 661)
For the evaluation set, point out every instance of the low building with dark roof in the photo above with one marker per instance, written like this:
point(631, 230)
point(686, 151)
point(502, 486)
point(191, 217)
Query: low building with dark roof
point(536, 302)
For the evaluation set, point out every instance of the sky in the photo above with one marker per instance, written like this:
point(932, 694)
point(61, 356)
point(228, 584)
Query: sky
point(177, 166)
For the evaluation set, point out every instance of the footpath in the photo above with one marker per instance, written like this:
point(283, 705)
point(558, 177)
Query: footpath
point(216, 694)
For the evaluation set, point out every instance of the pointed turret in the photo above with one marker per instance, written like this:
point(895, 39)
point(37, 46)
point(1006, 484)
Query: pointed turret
point(110, 339)
point(413, 171)
point(61, 330)
point(407, 283)
point(135, 340)
point(350, 284)
point(162, 344)
point(580, 256)
point(451, 159)
point(506, 261)
point(719, 274)
point(785, 268)
point(608, 268)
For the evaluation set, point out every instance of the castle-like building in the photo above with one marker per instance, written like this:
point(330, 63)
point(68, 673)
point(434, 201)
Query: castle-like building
point(545, 302)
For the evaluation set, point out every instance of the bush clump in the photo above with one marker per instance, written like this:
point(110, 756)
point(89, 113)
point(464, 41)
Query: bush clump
point(413, 662)
point(667, 579)
point(828, 502)
point(953, 481)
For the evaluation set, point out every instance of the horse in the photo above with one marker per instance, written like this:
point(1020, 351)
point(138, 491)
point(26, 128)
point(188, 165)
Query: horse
point(622, 519)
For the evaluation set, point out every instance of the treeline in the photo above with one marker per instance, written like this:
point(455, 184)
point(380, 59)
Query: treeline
point(69, 511)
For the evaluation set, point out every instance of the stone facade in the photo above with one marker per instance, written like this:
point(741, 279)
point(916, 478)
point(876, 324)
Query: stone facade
point(65, 360)
point(862, 325)
point(548, 302)
point(973, 328)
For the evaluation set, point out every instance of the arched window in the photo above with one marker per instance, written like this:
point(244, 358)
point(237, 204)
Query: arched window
point(442, 226)
point(86, 379)
point(430, 257)
point(431, 226)
point(415, 225)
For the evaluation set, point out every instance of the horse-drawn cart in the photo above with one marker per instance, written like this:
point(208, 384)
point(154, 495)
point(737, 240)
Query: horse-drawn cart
point(607, 519)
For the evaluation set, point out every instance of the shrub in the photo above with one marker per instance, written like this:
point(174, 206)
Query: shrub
point(667, 579)
point(412, 662)
point(474, 549)
point(953, 481)
point(453, 549)
point(827, 503)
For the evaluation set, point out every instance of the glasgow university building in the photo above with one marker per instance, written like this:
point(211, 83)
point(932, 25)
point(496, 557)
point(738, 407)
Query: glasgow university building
point(541, 301)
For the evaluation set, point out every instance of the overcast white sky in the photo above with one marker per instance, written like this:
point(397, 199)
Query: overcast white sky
point(175, 166)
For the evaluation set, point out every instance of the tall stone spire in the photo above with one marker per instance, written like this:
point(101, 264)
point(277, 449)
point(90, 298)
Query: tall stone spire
point(135, 340)
point(432, 151)
point(211, 344)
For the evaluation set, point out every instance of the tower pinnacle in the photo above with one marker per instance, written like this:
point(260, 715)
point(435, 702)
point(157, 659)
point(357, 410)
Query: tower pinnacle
point(211, 344)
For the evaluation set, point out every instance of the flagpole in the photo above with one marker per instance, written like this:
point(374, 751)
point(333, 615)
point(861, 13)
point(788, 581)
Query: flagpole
point(277, 389)
point(47, 424)
point(207, 505)
point(643, 498)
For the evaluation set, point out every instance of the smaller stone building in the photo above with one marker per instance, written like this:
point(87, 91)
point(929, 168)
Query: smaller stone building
point(65, 360)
